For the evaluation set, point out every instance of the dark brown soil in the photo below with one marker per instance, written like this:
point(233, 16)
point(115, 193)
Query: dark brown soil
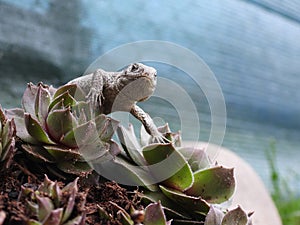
point(103, 195)
point(10, 186)
point(106, 195)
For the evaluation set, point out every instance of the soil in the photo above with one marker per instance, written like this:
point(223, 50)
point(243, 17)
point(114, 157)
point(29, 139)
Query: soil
point(108, 195)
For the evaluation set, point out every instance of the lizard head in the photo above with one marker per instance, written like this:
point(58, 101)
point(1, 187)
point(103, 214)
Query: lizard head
point(139, 80)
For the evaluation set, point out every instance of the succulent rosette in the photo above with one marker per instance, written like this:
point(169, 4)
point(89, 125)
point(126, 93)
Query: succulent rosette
point(52, 205)
point(182, 179)
point(7, 140)
point(59, 127)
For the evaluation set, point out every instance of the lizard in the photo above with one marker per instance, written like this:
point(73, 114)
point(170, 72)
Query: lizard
point(120, 91)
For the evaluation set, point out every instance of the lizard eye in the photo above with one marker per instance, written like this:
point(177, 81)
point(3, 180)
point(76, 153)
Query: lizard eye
point(134, 67)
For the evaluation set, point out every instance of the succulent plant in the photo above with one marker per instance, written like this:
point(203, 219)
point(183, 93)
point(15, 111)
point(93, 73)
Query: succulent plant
point(182, 179)
point(59, 127)
point(53, 205)
point(153, 214)
point(7, 140)
point(235, 216)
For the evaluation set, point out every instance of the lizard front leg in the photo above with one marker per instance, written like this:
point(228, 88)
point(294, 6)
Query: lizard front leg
point(96, 89)
point(148, 123)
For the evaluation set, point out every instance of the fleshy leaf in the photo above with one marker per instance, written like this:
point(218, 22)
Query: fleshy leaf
point(56, 195)
point(131, 145)
point(42, 101)
point(195, 204)
point(106, 127)
point(125, 217)
point(125, 220)
point(28, 98)
point(38, 153)
point(35, 130)
point(197, 158)
point(34, 222)
point(76, 168)
point(123, 172)
point(70, 205)
point(236, 216)
point(215, 185)
point(78, 220)
point(214, 216)
point(145, 137)
point(85, 134)
point(60, 122)
point(69, 139)
point(18, 115)
point(46, 186)
point(64, 100)
point(54, 218)
point(103, 213)
point(169, 163)
point(45, 207)
point(74, 90)
point(171, 209)
point(71, 186)
point(63, 154)
point(154, 215)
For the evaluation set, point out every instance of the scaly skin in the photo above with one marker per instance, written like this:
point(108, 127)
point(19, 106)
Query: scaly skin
point(120, 91)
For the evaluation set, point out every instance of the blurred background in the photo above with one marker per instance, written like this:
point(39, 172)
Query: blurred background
point(252, 47)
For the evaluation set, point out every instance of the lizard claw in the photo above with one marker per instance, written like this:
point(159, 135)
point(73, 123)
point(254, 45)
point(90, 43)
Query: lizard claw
point(159, 138)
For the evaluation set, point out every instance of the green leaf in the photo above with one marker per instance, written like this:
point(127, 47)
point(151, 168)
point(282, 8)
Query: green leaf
point(72, 186)
point(47, 186)
point(45, 207)
point(38, 153)
point(33, 222)
point(29, 98)
point(35, 130)
point(214, 216)
point(106, 127)
point(60, 122)
point(56, 195)
point(215, 185)
point(167, 162)
point(145, 137)
point(194, 204)
point(103, 213)
point(125, 220)
point(8, 131)
point(123, 172)
point(42, 101)
point(63, 101)
point(197, 158)
point(125, 217)
point(154, 215)
point(83, 111)
point(76, 168)
point(236, 216)
point(18, 115)
point(78, 220)
point(131, 145)
point(85, 134)
point(54, 218)
point(63, 154)
point(74, 90)
point(171, 209)
point(70, 205)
